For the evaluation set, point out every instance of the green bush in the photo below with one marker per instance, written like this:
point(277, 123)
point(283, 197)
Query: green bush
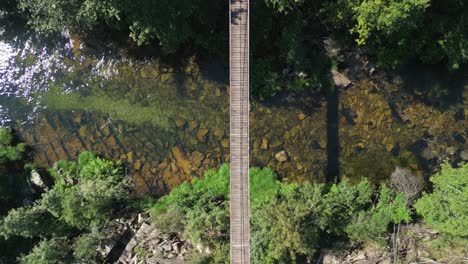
point(288, 221)
point(12, 177)
point(373, 224)
point(86, 195)
point(388, 28)
point(445, 209)
point(48, 251)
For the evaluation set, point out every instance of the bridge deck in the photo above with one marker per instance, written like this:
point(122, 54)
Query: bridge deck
point(239, 130)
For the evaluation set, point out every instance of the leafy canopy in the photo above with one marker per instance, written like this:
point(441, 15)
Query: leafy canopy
point(288, 220)
point(69, 216)
point(445, 208)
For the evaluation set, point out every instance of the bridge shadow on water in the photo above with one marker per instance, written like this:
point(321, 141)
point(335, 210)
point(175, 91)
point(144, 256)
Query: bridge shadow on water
point(333, 142)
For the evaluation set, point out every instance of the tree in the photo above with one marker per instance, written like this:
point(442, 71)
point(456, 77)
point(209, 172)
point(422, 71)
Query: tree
point(373, 224)
point(388, 28)
point(48, 251)
point(86, 196)
point(9, 152)
point(289, 222)
point(445, 208)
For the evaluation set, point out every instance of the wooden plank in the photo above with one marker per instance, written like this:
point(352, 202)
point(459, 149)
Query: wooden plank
point(239, 131)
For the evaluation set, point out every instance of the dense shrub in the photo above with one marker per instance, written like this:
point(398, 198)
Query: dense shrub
point(53, 250)
point(288, 221)
point(445, 208)
point(13, 180)
point(396, 31)
point(86, 195)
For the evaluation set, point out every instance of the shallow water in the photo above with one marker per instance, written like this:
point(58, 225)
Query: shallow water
point(169, 124)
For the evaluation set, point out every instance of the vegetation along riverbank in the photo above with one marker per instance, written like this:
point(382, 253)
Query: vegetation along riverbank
point(114, 138)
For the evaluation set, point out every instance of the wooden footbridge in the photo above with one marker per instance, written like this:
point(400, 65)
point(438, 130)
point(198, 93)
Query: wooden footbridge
point(239, 130)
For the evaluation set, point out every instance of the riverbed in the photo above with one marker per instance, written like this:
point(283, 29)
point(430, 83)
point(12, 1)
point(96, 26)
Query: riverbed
point(170, 123)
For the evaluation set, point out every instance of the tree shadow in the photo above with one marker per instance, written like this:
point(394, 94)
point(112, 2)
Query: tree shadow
point(434, 85)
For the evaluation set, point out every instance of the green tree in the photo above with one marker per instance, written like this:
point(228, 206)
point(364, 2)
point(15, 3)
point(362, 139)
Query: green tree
point(288, 222)
point(86, 195)
point(373, 224)
point(445, 208)
point(48, 251)
point(86, 192)
point(12, 176)
point(388, 29)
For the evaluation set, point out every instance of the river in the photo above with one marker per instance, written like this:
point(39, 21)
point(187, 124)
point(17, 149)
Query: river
point(170, 123)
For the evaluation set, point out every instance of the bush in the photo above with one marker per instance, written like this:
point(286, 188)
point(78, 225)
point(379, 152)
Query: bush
point(12, 176)
point(288, 221)
point(445, 208)
point(388, 28)
point(373, 224)
point(48, 251)
point(86, 195)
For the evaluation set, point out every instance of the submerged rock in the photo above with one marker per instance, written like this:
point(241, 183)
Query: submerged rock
point(201, 134)
point(282, 156)
point(301, 116)
point(264, 144)
point(180, 122)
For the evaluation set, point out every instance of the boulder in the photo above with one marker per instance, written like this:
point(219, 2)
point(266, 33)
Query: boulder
point(167, 247)
point(451, 151)
point(36, 180)
point(340, 79)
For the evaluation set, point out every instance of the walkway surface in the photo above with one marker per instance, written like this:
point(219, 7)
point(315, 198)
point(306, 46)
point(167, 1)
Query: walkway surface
point(239, 130)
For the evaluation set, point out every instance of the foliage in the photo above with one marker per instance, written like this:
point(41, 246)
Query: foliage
point(31, 222)
point(289, 221)
point(87, 191)
point(85, 196)
point(84, 248)
point(8, 151)
point(372, 225)
point(167, 22)
point(12, 157)
point(47, 251)
point(388, 28)
point(282, 229)
point(445, 208)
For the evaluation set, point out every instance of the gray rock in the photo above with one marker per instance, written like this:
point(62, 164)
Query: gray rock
point(143, 230)
point(142, 217)
point(154, 235)
point(36, 180)
point(176, 247)
point(131, 245)
point(167, 247)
